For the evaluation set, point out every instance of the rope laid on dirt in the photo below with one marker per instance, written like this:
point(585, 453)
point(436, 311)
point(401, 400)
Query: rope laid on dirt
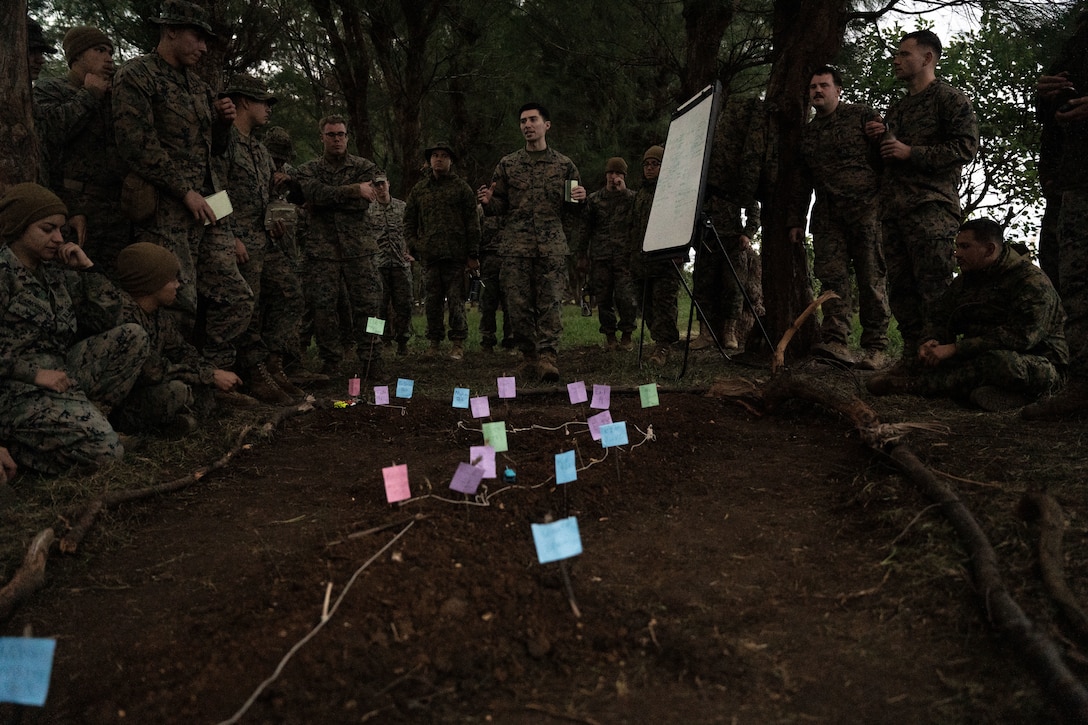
point(1044, 660)
point(1043, 508)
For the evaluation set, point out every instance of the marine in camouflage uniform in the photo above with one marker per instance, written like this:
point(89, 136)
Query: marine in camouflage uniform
point(492, 298)
point(529, 188)
point(926, 138)
point(737, 161)
point(385, 218)
point(603, 242)
point(656, 282)
point(442, 228)
point(62, 350)
point(840, 163)
point(1065, 83)
point(272, 333)
point(1000, 324)
point(339, 250)
point(169, 126)
point(77, 123)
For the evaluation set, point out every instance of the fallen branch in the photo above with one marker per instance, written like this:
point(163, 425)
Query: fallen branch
point(31, 575)
point(1042, 507)
point(779, 358)
point(1044, 660)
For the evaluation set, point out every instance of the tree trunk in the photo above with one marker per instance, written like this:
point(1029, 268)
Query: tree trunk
point(705, 22)
point(806, 35)
point(18, 142)
point(351, 63)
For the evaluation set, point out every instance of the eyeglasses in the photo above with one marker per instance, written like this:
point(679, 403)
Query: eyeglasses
point(336, 134)
point(651, 162)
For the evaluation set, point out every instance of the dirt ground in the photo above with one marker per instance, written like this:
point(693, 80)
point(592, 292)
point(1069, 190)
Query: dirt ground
point(737, 568)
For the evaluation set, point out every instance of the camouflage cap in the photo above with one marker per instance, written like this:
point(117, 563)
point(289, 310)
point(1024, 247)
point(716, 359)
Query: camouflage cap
point(180, 12)
point(243, 84)
point(436, 146)
point(35, 38)
point(279, 144)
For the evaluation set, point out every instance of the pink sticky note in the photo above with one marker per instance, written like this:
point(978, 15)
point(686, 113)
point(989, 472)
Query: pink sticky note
point(396, 483)
point(480, 407)
point(602, 395)
point(353, 387)
point(507, 388)
point(483, 457)
point(577, 392)
point(381, 395)
point(595, 423)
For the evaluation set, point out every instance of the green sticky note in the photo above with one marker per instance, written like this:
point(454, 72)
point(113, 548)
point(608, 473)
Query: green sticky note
point(648, 394)
point(495, 436)
point(375, 326)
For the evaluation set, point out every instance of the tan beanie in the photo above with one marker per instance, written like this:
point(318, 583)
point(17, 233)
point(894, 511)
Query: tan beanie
point(24, 204)
point(654, 152)
point(80, 38)
point(617, 165)
point(145, 268)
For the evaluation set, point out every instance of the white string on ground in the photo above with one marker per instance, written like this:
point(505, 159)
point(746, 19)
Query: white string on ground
point(325, 618)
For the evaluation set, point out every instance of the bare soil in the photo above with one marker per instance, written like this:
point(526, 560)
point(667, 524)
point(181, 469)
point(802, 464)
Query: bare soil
point(737, 568)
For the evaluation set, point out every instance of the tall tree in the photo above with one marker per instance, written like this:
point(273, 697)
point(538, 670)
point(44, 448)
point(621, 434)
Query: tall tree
point(18, 144)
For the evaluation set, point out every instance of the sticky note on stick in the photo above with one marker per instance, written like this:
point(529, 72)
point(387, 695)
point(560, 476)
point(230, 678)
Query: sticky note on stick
point(26, 664)
point(557, 540)
point(396, 483)
point(466, 478)
point(495, 436)
point(565, 468)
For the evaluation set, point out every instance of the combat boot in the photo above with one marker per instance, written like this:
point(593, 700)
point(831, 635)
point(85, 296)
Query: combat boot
point(610, 343)
point(890, 384)
point(704, 340)
point(275, 369)
point(529, 367)
point(1070, 402)
point(660, 356)
point(457, 352)
point(729, 336)
point(626, 343)
point(262, 387)
point(235, 399)
point(548, 367)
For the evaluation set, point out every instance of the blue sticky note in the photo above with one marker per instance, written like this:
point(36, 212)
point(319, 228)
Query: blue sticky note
point(614, 434)
point(577, 392)
point(375, 326)
point(26, 664)
point(565, 468)
point(460, 398)
point(404, 387)
point(466, 478)
point(602, 397)
point(495, 436)
point(557, 540)
point(648, 395)
point(508, 387)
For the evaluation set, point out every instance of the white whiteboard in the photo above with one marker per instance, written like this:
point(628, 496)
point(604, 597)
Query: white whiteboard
point(675, 214)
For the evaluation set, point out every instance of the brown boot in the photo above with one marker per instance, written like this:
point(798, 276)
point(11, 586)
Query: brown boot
point(729, 336)
point(626, 343)
point(262, 387)
point(234, 399)
point(457, 352)
point(660, 356)
point(1071, 402)
point(275, 369)
point(704, 340)
point(548, 367)
point(610, 343)
point(529, 367)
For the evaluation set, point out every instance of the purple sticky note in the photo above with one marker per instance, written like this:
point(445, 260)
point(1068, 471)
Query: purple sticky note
point(577, 392)
point(483, 457)
point(602, 395)
point(507, 388)
point(466, 478)
point(381, 395)
point(595, 423)
point(354, 387)
point(480, 407)
point(396, 483)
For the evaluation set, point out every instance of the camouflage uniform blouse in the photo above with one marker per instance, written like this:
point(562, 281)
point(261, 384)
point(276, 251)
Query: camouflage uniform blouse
point(165, 126)
point(530, 195)
point(440, 220)
point(247, 170)
point(386, 223)
point(338, 227)
point(606, 225)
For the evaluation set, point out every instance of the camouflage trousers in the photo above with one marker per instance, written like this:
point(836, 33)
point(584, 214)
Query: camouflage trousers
point(274, 325)
point(714, 285)
point(444, 281)
point(212, 288)
point(153, 406)
point(1073, 272)
point(108, 232)
point(842, 244)
point(1030, 375)
point(610, 281)
point(657, 294)
point(534, 288)
point(52, 432)
point(397, 298)
point(918, 250)
point(491, 300)
point(322, 282)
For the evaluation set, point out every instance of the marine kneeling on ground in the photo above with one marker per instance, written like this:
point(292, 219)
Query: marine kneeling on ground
point(995, 336)
point(176, 385)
